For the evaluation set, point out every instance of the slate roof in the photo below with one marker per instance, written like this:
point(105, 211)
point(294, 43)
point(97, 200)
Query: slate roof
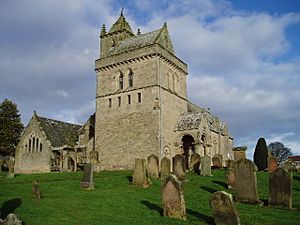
point(59, 133)
point(135, 42)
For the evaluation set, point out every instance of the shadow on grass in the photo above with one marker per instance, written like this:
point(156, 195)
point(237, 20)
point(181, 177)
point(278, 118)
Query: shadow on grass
point(265, 202)
point(208, 189)
point(223, 184)
point(207, 219)
point(129, 178)
point(9, 207)
point(152, 206)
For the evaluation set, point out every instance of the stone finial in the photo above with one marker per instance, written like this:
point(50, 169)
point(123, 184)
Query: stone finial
point(138, 32)
point(103, 30)
point(122, 11)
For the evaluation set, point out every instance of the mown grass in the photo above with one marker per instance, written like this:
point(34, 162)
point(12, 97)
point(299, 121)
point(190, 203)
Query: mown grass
point(115, 201)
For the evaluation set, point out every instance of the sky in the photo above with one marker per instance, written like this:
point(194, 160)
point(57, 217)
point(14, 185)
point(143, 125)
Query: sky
point(243, 58)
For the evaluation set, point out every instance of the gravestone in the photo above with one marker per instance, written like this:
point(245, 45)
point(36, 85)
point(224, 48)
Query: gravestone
point(139, 174)
point(178, 167)
point(165, 165)
point(280, 188)
point(205, 164)
point(223, 209)
point(153, 166)
point(217, 161)
point(11, 219)
point(272, 164)
point(231, 179)
point(195, 162)
point(245, 181)
point(229, 164)
point(87, 181)
point(36, 192)
point(173, 199)
point(11, 167)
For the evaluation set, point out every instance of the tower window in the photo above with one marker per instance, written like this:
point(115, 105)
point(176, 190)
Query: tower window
point(109, 102)
point(41, 147)
point(139, 97)
point(121, 81)
point(119, 101)
point(129, 99)
point(130, 78)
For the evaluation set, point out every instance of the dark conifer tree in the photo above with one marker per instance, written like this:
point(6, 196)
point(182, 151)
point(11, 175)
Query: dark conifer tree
point(261, 154)
point(11, 127)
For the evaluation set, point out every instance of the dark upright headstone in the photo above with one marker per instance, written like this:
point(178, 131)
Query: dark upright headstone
point(195, 162)
point(280, 188)
point(87, 181)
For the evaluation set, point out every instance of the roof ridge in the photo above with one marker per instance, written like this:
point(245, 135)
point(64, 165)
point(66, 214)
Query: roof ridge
point(55, 120)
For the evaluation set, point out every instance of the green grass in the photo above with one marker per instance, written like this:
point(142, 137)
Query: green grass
point(114, 201)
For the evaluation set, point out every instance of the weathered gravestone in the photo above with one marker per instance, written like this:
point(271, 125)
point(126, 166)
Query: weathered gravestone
point(173, 199)
point(280, 188)
point(36, 192)
point(223, 209)
point(229, 164)
point(11, 167)
point(139, 174)
point(195, 162)
point(272, 164)
point(231, 179)
point(87, 181)
point(165, 165)
point(217, 160)
point(153, 166)
point(245, 182)
point(205, 164)
point(178, 167)
point(11, 219)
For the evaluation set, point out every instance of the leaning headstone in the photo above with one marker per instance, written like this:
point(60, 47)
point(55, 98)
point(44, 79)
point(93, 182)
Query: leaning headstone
point(11, 219)
point(139, 177)
point(223, 209)
point(217, 160)
point(153, 166)
point(87, 181)
point(178, 167)
point(195, 162)
point(165, 169)
point(36, 192)
point(280, 188)
point(205, 164)
point(173, 199)
point(11, 167)
point(272, 164)
point(246, 182)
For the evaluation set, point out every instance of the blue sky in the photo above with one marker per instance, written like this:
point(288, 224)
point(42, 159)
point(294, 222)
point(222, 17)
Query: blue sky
point(243, 58)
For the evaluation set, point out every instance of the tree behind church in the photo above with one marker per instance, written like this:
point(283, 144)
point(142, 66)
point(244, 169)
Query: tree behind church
point(261, 154)
point(10, 127)
point(278, 150)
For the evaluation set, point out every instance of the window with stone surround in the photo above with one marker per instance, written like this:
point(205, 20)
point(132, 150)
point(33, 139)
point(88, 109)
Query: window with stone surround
point(33, 144)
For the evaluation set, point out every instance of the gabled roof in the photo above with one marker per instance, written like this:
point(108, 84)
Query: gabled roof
point(59, 133)
point(160, 36)
point(120, 25)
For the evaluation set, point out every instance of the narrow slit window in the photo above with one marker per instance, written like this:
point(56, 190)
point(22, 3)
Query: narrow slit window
point(109, 102)
point(130, 78)
point(129, 99)
point(139, 97)
point(41, 147)
point(119, 101)
point(121, 81)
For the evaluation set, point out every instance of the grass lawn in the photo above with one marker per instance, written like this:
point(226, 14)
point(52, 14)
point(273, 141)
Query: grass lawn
point(114, 201)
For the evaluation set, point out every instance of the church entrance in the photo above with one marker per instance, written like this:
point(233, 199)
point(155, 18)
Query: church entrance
point(188, 148)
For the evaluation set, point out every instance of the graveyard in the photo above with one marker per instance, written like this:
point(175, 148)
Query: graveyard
point(114, 200)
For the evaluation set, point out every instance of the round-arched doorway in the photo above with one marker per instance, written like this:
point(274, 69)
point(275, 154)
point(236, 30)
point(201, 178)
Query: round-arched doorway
point(187, 144)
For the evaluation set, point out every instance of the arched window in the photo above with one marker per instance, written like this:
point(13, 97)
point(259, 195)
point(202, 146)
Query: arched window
point(130, 78)
point(121, 81)
point(29, 149)
point(41, 147)
point(37, 145)
point(33, 144)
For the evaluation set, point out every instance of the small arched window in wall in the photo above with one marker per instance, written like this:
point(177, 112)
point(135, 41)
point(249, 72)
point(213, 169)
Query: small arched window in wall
point(33, 145)
point(41, 147)
point(121, 81)
point(37, 145)
point(29, 148)
point(130, 78)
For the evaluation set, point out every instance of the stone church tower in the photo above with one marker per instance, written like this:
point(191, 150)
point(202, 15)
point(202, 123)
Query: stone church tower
point(141, 91)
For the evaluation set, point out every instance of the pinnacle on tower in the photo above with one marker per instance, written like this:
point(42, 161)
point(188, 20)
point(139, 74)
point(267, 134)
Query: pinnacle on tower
point(103, 30)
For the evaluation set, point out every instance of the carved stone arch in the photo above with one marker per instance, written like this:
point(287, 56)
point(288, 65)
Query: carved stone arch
point(180, 135)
